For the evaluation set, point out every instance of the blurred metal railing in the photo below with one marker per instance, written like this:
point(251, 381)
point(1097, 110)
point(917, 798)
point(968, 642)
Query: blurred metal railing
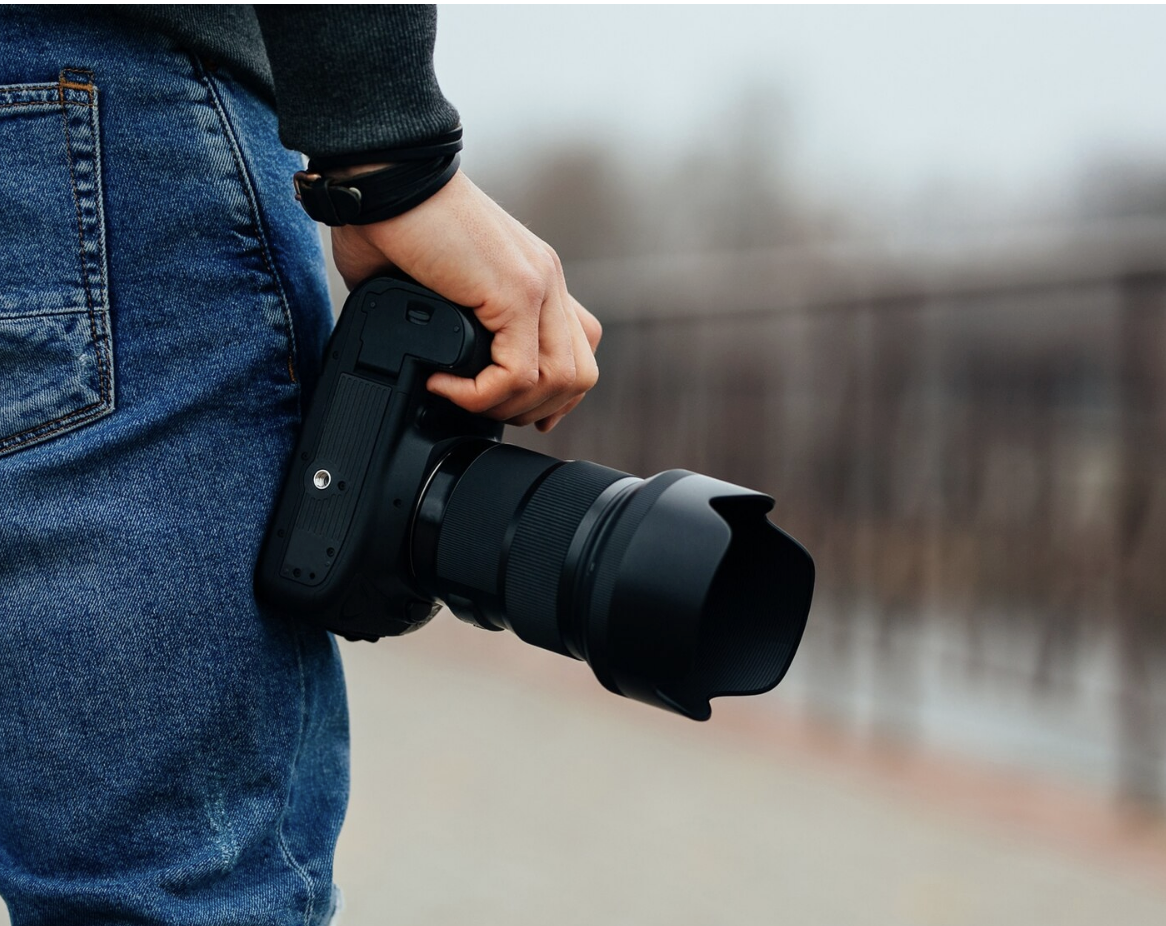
point(970, 438)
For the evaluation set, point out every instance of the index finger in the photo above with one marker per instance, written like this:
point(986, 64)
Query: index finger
point(513, 369)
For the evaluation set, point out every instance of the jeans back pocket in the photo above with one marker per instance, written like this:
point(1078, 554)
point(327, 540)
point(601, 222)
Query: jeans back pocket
point(56, 352)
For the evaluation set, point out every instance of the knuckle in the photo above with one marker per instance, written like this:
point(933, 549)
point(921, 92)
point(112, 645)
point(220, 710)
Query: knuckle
point(542, 268)
point(588, 376)
point(559, 378)
point(532, 287)
point(554, 264)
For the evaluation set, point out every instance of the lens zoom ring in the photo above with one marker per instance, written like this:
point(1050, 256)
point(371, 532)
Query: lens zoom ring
point(473, 531)
point(539, 549)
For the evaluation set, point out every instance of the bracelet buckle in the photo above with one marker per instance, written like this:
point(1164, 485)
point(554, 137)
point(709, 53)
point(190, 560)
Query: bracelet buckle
point(325, 200)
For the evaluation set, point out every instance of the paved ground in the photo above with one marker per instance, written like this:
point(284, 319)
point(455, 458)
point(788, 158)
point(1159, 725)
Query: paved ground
point(497, 785)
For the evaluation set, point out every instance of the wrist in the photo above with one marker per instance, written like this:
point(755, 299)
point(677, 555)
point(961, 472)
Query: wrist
point(380, 194)
point(380, 185)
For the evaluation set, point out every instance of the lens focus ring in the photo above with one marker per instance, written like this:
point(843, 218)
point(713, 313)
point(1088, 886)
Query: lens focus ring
point(541, 540)
point(480, 512)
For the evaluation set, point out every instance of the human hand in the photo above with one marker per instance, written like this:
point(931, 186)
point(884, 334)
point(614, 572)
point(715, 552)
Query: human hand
point(465, 247)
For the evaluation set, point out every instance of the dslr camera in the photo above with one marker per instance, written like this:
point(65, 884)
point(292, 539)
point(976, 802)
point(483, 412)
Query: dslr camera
point(674, 589)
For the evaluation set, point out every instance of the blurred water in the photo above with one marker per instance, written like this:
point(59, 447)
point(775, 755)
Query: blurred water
point(931, 691)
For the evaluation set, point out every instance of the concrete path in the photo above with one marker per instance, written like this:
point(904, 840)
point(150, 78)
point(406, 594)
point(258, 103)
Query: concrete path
point(496, 784)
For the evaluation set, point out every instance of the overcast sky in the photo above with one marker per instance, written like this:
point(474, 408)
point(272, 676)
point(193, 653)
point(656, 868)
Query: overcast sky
point(878, 102)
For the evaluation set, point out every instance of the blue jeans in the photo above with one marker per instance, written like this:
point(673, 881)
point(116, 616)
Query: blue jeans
point(169, 752)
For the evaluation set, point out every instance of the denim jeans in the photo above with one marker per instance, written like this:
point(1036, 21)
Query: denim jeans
point(169, 752)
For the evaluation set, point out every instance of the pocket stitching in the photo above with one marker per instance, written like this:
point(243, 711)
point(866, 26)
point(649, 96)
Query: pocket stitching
point(63, 423)
point(46, 103)
point(99, 339)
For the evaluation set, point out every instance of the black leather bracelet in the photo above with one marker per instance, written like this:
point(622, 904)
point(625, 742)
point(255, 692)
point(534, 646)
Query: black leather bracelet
point(414, 174)
point(436, 147)
point(375, 196)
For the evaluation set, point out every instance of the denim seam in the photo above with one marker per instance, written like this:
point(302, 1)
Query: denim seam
point(248, 184)
point(47, 313)
point(54, 88)
point(28, 88)
point(47, 103)
point(100, 341)
point(309, 882)
point(246, 181)
point(63, 423)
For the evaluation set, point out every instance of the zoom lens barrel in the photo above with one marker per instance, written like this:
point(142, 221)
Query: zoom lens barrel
point(674, 589)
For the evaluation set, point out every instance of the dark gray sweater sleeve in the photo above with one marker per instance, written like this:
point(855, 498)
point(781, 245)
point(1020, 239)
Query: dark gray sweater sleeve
point(354, 78)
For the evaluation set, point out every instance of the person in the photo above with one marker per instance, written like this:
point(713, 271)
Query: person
point(169, 751)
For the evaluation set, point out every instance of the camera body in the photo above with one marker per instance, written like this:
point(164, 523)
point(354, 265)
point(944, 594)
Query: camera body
point(675, 589)
point(337, 550)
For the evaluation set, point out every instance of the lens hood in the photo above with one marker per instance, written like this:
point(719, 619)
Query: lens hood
point(674, 589)
point(691, 593)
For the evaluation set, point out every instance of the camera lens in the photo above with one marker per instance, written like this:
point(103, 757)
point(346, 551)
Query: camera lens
point(674, 589)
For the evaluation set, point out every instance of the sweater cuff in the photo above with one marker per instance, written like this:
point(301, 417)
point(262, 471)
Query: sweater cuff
point(353, 79)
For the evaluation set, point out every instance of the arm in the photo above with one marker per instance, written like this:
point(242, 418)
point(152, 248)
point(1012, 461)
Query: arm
point(381, 92)
point(354, 78)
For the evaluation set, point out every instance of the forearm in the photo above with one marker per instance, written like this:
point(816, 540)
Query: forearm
point(354, 78)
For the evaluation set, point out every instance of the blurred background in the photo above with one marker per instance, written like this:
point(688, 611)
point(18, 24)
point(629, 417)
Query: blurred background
point(904, 269)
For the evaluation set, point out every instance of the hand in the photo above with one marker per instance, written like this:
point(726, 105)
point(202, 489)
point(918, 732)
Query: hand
point(465, 247)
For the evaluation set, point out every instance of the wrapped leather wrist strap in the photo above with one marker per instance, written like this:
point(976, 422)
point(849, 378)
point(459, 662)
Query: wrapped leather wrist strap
point(414, 175)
